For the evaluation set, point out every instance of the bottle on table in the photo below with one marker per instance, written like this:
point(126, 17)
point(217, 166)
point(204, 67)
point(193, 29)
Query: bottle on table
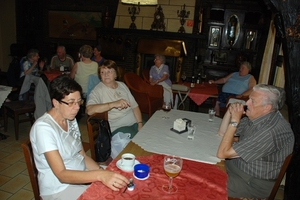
point(193, 82)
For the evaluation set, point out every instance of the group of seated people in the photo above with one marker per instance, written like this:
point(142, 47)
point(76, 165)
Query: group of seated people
point(64, 168)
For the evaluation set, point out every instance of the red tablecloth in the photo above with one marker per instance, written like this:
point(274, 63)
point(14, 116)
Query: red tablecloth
point(201, 92)
point(196, 181)
point(52, 74)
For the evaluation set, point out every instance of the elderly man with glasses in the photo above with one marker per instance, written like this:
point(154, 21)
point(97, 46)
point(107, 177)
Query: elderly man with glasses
point(255, 146)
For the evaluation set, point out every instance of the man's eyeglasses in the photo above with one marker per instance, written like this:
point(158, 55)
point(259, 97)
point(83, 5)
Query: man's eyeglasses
point(72, 103)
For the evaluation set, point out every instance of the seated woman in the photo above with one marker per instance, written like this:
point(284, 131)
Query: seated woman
point(83, 69)
point(124, 114)
point(160, 75)
point(97, 55)
point(63, 167)
point(236, 84)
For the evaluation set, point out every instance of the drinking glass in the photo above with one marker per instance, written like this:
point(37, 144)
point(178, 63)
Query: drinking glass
point(172, 167)
point(166, 107)
point(203, 78)
point(183, 77)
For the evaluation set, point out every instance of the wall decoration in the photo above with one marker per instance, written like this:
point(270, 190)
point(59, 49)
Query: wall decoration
point(214, 36)
point(74, 24)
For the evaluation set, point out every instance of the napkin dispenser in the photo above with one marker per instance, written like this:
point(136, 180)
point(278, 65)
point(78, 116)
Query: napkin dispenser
point(188, 121)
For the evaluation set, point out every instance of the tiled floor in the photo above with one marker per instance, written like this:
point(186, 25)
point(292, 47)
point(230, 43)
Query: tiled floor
point(14, 179)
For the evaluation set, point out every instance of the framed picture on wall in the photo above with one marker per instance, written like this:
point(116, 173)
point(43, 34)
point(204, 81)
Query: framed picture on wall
point(220, 57)
point(214, 36)
point(74, 24)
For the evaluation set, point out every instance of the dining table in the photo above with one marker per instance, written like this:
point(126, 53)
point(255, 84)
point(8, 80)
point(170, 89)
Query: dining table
point(4, 92)
point(202, 91)
point(53, 73)
point(200, 178)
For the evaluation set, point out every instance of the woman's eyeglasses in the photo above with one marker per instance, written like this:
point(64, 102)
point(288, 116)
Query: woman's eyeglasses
point(72, 103)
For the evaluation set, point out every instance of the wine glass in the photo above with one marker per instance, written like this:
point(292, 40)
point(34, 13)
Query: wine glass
point(172, 167)
point(183, 77)
point(166, 107)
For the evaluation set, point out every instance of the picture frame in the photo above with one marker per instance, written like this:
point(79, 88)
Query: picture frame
point(74, 24)
point(214, 36)
point(220, 57)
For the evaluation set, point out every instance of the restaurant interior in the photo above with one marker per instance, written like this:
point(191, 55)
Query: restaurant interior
point(210, 37)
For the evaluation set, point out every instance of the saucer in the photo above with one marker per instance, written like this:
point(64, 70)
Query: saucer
point(141, 178)
point(126, 169)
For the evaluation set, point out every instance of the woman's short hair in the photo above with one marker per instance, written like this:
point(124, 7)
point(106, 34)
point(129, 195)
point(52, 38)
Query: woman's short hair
point(31, 53)
point(247, 64)
point(161, 57)
point(86, 51)
point(110, 64)
point(273, 95)
point(62, 86)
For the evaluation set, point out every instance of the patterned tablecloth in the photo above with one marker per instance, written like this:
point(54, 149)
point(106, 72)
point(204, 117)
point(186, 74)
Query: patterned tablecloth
point(201, 92)
point(196, 181)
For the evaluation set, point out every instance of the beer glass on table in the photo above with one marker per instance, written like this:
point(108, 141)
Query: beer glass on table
point(172, 167)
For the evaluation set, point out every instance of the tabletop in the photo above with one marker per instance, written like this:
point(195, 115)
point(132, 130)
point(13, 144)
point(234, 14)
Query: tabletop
point(156, 136)
point(53, 73)
point(196, 181)
point(4, 92)
point(201, 92)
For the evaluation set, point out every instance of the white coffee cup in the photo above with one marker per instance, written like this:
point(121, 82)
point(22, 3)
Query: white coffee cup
point(127, 160)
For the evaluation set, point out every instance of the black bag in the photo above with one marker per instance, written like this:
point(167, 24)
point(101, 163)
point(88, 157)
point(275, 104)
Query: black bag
point(103, 141)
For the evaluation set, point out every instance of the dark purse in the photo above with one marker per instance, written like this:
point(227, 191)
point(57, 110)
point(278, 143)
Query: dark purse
point(103, 141)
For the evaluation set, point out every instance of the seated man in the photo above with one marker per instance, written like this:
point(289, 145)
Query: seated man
point(30, 64)
point(62, 59)
point(265, 140)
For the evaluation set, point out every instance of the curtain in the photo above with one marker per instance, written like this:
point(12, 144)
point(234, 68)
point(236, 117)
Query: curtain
point(267, 58)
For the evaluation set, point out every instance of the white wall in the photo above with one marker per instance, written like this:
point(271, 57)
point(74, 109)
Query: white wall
point(7, 31)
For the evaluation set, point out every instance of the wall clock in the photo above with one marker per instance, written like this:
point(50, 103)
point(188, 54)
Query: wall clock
point(159, 20)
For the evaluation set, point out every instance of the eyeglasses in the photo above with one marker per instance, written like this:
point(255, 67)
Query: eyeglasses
point(108, 72)
point(72, 103)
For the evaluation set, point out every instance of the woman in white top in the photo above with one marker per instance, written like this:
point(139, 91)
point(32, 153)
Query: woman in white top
point(63, 167)
point(124, 114)
point(84, 68)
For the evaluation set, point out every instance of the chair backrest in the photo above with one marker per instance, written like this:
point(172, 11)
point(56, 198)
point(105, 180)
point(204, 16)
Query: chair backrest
point(146, 75)
point(148, 97)
point(32, 171)
point(280, 176)
point(93, 130)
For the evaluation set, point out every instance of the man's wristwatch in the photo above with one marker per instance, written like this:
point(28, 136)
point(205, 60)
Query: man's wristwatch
point(234, 124)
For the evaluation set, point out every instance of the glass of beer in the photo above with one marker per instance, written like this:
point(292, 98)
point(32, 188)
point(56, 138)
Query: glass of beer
point(172, 167)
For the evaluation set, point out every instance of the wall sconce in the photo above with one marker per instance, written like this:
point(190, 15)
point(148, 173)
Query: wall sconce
point(135, 10)
point(182, 14)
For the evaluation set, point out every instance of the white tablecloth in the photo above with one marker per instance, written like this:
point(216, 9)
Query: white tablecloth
point(4, 92)
point(157, 137)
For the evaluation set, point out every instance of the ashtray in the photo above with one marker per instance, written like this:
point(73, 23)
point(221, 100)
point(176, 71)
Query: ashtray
point(179, 132)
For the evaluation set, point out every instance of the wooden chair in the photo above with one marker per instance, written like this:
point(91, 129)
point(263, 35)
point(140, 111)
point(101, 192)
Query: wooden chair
point(93, 130)
point(148, 97)
point(32, 171)
point(15, 109)
point(278, 180)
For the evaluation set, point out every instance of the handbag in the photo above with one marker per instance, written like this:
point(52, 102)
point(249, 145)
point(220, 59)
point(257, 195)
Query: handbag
point(103, 140)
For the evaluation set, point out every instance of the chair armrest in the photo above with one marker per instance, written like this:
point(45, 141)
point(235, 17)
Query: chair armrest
point(155, 91)
point(103, 115)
